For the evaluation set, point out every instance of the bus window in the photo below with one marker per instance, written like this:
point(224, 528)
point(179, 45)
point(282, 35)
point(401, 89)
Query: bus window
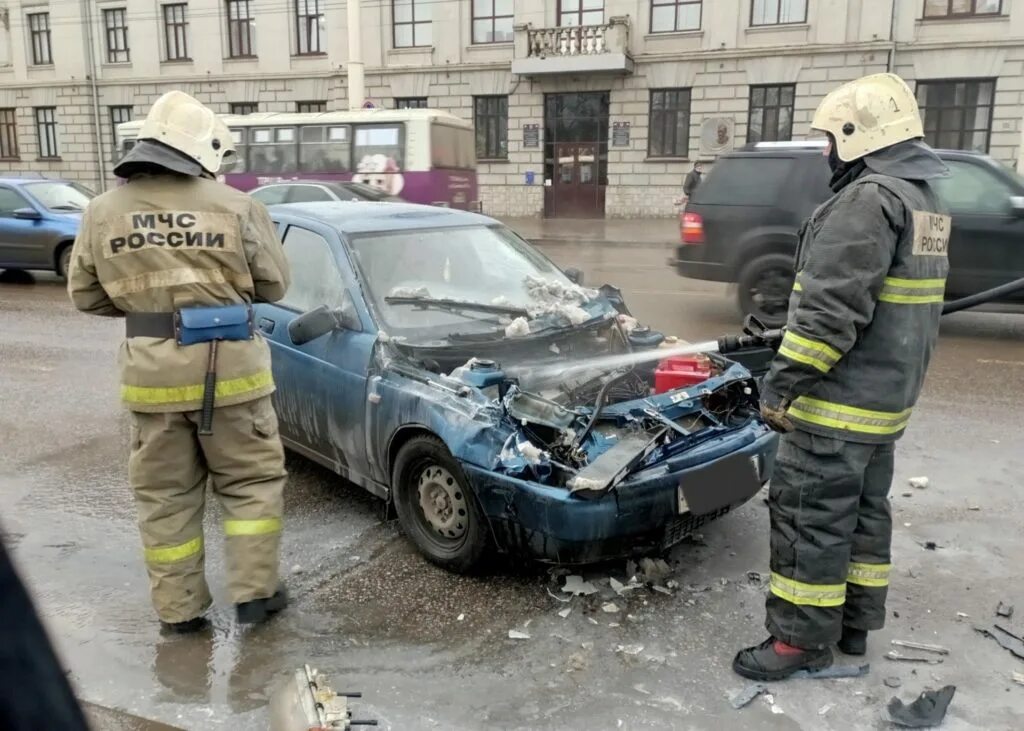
point(273, 150)
point(324, 149)
point(451, 147)
point(383, 140)
point(239, 160)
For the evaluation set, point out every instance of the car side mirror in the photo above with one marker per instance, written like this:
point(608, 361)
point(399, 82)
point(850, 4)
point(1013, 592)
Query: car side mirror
point(1016, 205)
point(28, 214)
point(320, 321)
point(574, 275)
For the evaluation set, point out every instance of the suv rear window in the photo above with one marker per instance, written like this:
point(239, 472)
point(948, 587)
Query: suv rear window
point(744, 181)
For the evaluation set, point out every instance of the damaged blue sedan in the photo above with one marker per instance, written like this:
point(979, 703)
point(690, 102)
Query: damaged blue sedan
point(438, 360)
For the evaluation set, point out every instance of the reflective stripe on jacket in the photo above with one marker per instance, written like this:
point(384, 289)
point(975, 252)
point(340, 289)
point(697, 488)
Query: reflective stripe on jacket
point(161, 243)
point(864, 311)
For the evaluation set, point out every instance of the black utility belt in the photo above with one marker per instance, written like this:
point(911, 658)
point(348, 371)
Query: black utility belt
point(193, 325)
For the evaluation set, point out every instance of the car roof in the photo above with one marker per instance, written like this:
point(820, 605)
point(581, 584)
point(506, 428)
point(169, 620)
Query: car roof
point(814, 148)
point(20, 180)
point(355, 217)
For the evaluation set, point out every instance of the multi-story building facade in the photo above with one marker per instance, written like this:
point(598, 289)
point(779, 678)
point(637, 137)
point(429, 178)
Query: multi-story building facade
point(581, 107)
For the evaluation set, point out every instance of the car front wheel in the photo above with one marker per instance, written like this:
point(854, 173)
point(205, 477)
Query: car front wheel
point(436, 506)
point(64, 261)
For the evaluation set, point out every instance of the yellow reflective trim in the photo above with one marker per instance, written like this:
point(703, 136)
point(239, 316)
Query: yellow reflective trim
point(164, 278)
point(797, 287)
point(172, 554)
point(915, 283)
point(853, 410)
point(911, 299)
point(806, 359)
point(194, 392)
point(260, 527)
point(869, 574)
point(814, 595)
point(850, 418)
point(833, 423)
point(825, 349)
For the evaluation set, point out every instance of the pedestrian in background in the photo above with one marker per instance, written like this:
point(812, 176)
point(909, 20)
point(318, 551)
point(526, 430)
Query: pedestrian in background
point(863, 320)
point(182, 258)
point(693, 179)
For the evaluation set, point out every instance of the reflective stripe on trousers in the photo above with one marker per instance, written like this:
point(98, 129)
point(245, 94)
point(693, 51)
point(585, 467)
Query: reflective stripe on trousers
point(173, 554)
point(869, 574)
point(150, 395)
point(851, 418)
point(259, 527)
point(815, 595)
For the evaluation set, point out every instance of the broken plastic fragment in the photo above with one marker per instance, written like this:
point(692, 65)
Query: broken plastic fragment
point(609, 608)
point(514, 634)
point(938, 649)
point(1018, 678)
point(661, 589)
point(565, 612)
point(893, 682)
point(919, 482)
point(575, 585)
point(897, 657)
point(629, 649)
point(1004, 610)
point(826, 708)
point(460, 617)
point(743, 697)
point(517, 328)
point(928, 710)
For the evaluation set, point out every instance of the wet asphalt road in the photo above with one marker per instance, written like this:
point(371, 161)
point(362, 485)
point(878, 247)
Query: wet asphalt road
point(374, 616)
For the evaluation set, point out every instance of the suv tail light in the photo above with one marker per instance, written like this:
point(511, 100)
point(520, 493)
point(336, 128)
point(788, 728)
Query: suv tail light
point(692, 228)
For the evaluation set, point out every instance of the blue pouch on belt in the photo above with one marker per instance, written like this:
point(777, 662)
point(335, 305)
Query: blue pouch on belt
point(203, 324)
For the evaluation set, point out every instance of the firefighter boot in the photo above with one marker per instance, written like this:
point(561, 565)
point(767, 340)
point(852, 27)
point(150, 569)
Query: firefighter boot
point(189, 626)
point(260, 610)
point(853, 641)
point(775, 660)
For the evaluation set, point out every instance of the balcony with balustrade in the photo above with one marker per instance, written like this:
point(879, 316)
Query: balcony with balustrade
point(582, 49)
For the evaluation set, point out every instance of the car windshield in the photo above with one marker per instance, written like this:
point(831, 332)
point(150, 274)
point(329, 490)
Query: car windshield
point(61, 196)
point(482, 265)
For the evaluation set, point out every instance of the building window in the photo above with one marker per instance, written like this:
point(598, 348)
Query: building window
point(242, 108)
point(411, 21)
point(115, 22)
point(176, 32)
point(669, 135)
point(39, 30)
point(310, 107)
point(309, 19)
point(490, 118)
point(241, 29)
point(668, 16)
point(118, 115)
point(957, 114)
point(771, 113)
point(580, 12)
point(8, 134)
point(46, 129)
point(961, 8)
point(411, 102)
point(492, 21)
point(777, 12)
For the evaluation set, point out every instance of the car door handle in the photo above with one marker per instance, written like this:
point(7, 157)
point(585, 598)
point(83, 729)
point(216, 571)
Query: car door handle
point(265, 325)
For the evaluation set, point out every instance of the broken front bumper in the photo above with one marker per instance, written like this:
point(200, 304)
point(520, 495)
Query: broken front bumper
point(639, 516)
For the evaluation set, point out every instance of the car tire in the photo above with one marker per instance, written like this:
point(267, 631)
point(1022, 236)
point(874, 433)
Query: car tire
point(437, 508)
point(64, 261)
point(764, 287)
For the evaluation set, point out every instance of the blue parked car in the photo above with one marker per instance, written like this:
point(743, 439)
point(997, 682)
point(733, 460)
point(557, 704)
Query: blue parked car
point(438, 360)
point(39, 220)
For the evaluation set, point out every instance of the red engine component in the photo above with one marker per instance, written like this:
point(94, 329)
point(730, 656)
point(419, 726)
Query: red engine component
point(681, 371)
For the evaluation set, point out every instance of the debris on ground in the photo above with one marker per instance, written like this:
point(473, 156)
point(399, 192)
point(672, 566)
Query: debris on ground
point(770, 700)
point(661, 589)
point(576, 662)
point(939, 649)
point(629, 649)
point(575, 585)
point(592, 620)
point(746, 695)
point(974, 507)
point(833, 671)
point(671, 584)
point(826, 708)
point(908, 494)
point(639, 688)
point(754, 577)
point(930, 545)
point(897, 657)
point(1018, 678)
point(460, 617)
point(654, 569)
point(564, 600)
point(961, 616)
point(928, 710)
point(514, 634)
point(565, 612)
point(1012, 644)
point(1004, 610)
point(610, 608)
point(619, 588)
point(892, 682)
point(919, 482)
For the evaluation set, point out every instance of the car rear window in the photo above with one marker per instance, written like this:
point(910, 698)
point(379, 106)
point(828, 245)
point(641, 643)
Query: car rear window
point(746, 181)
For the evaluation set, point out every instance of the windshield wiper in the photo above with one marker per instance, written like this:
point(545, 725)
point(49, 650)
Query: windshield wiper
point(457, 305)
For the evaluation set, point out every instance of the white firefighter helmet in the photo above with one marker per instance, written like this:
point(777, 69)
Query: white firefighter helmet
point(184, 124)
point(869, 114)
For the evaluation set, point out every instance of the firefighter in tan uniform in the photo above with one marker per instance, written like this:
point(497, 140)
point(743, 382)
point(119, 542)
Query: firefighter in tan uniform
point(182, 258)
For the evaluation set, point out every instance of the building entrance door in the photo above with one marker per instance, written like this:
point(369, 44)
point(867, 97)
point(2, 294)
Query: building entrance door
point(576, 154)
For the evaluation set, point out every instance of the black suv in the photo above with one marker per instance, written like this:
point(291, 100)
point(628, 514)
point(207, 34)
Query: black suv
point(741, 224)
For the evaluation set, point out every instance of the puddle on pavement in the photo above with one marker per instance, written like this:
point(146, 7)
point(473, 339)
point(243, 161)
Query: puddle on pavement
point(398, 595)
